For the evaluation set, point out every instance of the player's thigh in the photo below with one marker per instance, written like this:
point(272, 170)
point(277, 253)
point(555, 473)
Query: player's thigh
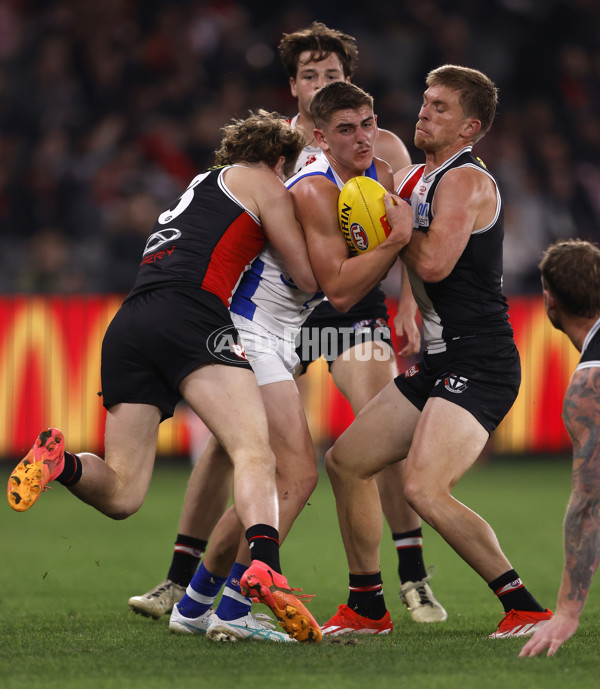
point(288, 429)
point(380, 435)
point(447, 441)
point(131, 435)
point(362, 371)
point(228, 400)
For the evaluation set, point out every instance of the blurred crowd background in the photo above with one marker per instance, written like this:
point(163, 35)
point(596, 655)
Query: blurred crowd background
point(109, 108)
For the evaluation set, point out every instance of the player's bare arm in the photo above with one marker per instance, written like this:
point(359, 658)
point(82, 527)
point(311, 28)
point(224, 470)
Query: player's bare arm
point(405, 319)
point(265, 194)
point(465, 201)
point(582, 520)
point(344, 279)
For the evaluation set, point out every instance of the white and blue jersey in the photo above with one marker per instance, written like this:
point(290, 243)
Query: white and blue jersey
point(308, 154)
point(267, 294)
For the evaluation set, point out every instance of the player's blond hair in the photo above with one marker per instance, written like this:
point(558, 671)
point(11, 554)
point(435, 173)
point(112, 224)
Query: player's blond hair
point(321, 42)
point(478, 93)
point(339, 95)
point(261, 137)
point(571, 271)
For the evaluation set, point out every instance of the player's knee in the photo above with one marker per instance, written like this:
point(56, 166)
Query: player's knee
point(335, 465)
point(122, 507)
point(299, 487)
point(417, 493)
point(258, 459)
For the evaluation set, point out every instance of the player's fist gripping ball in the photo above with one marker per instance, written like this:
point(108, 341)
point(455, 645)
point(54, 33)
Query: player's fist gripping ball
point(362, 214)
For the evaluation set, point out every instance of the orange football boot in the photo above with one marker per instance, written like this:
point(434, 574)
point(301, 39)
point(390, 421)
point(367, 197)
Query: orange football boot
point(43, 464)
point(264, 585)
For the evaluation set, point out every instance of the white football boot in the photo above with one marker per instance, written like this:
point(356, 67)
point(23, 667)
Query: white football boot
point(179, 624)
point(158, 601)
point(258, 627)
point(418, 597)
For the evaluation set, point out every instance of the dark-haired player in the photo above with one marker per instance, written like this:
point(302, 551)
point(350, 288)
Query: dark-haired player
point(314, 57)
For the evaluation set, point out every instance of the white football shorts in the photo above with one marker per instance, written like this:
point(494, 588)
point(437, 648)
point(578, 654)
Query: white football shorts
point(273, 358)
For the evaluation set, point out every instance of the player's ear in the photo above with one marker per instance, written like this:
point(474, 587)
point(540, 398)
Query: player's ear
point(471, 128)
point(279, 168)
point(549, 299)
point(293, 87)
point(320, 139)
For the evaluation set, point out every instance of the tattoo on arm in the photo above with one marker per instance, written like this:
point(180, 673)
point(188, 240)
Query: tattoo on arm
point(582, 520)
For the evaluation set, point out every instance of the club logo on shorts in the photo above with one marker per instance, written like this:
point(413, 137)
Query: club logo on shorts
point(230, 343)
point(454, 384)
point(223, 345)
point(412, 371)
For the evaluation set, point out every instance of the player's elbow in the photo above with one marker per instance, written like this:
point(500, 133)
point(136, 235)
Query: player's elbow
point(432, 272)
point(307, 283)
point(341, 302)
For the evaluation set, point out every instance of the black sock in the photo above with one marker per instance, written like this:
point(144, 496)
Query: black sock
point(366, 595)
point(263, 541)
point(409, 546)
point(187, 554)
point(512, 593)
point(71, 472)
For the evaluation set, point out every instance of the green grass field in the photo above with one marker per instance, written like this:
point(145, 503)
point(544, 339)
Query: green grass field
point(67, 573)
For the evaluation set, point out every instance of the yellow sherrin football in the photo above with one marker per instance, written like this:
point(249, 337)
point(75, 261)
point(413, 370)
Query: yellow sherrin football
point(362, 214)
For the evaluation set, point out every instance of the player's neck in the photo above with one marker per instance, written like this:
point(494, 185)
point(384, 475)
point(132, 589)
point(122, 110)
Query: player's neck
point(343, 172)
point(577, 329)
point(305, 122)
point(435, 159)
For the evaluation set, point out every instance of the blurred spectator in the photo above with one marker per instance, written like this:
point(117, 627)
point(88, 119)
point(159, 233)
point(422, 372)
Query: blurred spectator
point(107, 110)
point(49, 267)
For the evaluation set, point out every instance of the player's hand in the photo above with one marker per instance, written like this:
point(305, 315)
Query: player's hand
point(551, 635)
point(406, 327)
point(400, 219)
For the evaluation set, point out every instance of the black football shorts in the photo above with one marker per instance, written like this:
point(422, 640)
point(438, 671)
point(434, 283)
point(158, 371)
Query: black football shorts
point(160, 336)
point(480, 374)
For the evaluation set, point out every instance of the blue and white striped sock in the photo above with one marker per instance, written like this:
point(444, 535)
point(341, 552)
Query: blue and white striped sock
point(200, 593)
point(233, 604)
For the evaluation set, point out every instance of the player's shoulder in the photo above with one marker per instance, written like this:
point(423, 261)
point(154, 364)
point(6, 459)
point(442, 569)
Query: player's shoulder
point(470, 180)
point(389, 137)
point(384, 173)
point(316, 172)
point(409, 174)
point(391, 148)
point(581, 399)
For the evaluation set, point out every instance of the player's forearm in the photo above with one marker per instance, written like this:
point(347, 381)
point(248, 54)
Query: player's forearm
point(582, 552)
point(406, 301)
point(425, 258)
point(358, 275)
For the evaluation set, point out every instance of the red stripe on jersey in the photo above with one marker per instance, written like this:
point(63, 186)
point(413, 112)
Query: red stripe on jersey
point(405, 191)
point(238, 247)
